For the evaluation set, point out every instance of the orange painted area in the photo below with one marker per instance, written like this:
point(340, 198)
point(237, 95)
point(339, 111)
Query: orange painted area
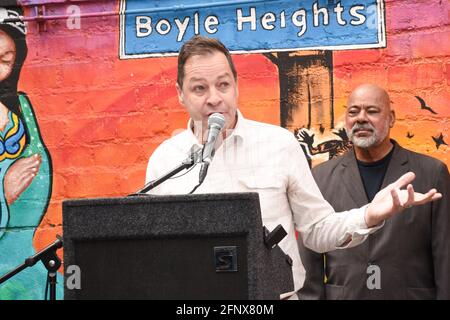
point(258, 88)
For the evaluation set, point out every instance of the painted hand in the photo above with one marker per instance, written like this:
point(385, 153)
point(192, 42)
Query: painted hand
point(391, 200)
point(306, 138)
point(19, 177)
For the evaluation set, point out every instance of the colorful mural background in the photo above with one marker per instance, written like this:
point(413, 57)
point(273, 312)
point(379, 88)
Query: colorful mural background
point(101, 117)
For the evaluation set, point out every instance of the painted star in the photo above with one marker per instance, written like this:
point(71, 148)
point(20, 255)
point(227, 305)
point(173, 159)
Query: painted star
point(439, 141)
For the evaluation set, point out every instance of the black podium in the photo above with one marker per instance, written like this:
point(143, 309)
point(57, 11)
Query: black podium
point(207, 246)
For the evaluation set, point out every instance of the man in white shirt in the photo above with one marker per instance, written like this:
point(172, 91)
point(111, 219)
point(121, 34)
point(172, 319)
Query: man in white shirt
point(257, 157)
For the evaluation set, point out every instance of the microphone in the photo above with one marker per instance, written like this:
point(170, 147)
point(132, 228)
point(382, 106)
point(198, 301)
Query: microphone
point(216, 121)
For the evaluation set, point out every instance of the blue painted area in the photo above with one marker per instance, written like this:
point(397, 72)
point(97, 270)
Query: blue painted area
point(12, 145)
point(161, 26)
point(29, 284)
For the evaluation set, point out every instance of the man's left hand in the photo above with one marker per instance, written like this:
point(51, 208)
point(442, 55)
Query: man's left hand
point(392, 200)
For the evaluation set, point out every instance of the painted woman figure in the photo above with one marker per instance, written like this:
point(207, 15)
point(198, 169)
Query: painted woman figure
point(25, 166)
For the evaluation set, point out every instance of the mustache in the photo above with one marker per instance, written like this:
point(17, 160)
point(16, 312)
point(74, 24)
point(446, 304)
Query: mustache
point(362, 126)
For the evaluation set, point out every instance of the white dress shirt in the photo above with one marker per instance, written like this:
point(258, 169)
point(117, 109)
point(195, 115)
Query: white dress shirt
point(264, 158)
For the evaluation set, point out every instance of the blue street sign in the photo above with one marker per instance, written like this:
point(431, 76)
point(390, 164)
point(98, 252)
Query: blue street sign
point(160, 27)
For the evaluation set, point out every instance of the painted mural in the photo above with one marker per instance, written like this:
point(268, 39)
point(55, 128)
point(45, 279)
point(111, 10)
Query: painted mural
point(25, 164)
point(87, 92)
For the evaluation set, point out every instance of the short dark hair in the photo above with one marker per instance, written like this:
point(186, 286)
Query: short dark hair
point(200, 45)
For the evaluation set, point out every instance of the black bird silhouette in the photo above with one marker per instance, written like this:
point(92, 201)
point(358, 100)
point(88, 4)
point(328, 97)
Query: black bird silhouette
point(439, 141)
point(409, 135)
point(423, 105)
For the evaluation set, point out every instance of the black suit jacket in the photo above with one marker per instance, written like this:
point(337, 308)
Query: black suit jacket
point(412, 250)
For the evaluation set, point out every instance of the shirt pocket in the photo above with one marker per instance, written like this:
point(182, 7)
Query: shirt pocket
point(272, 194)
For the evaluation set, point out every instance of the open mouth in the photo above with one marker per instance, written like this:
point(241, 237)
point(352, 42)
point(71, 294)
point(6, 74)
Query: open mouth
point(209, 114)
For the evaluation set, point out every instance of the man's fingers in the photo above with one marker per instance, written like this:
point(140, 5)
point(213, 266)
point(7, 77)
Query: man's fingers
point(404, 180)
point(410, 190)
point(436, 196)
point(395, 198)
point(431, 195)
point(415, 199)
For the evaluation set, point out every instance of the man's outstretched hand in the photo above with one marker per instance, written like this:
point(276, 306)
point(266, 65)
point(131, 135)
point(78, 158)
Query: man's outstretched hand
point(392, 200)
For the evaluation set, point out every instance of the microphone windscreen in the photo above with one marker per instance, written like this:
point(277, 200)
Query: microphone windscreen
point(216, 119)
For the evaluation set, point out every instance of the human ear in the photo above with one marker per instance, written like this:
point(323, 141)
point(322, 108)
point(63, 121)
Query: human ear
point(180, 94)
point(392, 120)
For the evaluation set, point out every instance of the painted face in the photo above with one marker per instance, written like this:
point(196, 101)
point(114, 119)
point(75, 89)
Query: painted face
point(368, 118)
point(7, 55)
point(209, 87)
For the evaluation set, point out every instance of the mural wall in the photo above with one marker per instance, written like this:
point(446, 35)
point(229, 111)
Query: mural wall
point(87, 94)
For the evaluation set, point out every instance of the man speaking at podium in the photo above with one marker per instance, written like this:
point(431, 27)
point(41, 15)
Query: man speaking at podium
point(257, 157)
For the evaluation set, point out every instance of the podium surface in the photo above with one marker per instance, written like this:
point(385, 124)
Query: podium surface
point(206, 246)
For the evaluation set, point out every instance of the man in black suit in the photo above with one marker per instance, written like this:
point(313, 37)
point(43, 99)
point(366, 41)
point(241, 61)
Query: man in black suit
point(409, 258)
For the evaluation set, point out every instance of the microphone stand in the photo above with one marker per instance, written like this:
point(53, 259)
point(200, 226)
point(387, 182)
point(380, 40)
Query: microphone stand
point(186, 164)
point(50, 260)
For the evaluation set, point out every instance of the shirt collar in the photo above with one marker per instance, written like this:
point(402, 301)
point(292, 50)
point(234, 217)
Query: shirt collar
point(238, 132)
